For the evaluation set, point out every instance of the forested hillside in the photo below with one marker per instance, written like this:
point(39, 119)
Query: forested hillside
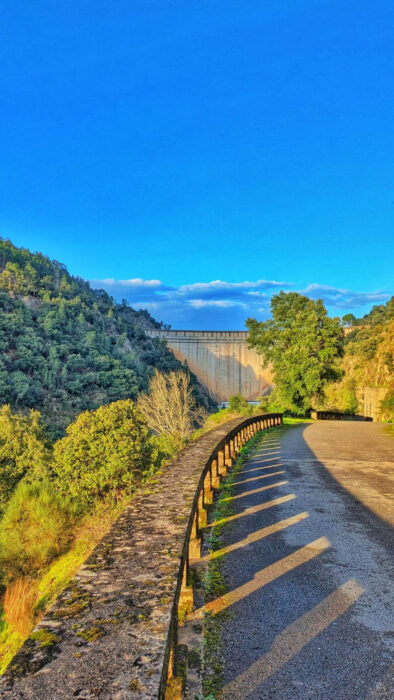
point(65, 347)
point(368, 361)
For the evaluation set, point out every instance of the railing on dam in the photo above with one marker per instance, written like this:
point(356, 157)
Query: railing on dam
point(205, 336)
point(113, 632)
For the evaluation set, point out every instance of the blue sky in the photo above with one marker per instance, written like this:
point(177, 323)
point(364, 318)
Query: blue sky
point(199, 156)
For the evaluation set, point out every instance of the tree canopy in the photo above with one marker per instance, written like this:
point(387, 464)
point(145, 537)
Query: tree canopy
point(368, 362)
point(66, 348)
point(24, 450)
point(349, 320)
point(302, 343)
point(104, 451)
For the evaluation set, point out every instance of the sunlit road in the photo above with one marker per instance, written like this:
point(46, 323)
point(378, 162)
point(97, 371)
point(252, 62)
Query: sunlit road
point(308, 564)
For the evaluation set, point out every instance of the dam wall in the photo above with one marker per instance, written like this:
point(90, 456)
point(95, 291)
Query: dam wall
point(222, 362)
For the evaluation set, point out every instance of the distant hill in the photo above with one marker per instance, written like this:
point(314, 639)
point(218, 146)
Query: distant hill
point(65, 347)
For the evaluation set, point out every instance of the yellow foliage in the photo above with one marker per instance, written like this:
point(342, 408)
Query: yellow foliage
point(368, 362)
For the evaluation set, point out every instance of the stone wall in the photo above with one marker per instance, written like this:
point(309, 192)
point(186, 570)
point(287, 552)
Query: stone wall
point(112, 634)
point(372, 398)
point(221, 360)
point(338, 415)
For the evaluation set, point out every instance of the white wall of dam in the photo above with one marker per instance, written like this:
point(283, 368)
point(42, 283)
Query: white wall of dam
point(221, 360)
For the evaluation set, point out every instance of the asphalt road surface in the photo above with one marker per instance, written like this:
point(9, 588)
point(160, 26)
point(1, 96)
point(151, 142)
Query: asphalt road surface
point(309, 567)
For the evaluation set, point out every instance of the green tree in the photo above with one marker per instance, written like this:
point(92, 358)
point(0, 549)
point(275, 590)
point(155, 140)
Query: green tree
point(105, 452)
point(349, 320)
point(387, 406)
point(350, 402)
point(11, 278)
point(54, 333)
point(302, 343)
point(24, 450)
point(239, 404)
point(21, 386)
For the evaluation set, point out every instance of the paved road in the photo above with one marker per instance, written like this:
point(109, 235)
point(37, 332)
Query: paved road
point(308, 567)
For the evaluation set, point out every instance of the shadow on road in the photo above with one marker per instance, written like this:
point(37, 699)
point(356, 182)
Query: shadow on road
point(306, 567)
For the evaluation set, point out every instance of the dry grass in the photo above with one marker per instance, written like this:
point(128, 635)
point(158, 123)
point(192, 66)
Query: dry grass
point(19, 600)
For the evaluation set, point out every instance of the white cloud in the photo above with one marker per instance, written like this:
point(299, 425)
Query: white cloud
point(220, 304)
point(221, 286)
point(135, 284)
point(343, 298)
point(202, 303)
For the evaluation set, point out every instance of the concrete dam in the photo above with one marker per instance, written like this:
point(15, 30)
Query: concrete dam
point(221, 360)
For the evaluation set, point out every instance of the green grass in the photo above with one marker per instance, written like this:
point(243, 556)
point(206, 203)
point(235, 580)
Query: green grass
point(214, 420)
point(290, 420)
point(36, 528)
point(10, 642)
point(50, 585)
point(60, 574)
point(57, 576)
point(215, 584)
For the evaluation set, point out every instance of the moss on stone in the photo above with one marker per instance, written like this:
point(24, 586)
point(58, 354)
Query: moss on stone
point(91, 634)
point(165, 600)
point(70, 610)
point(194, 658)
point(180, 519)
point(184, 609)
point(174, 689)
point(45, 638)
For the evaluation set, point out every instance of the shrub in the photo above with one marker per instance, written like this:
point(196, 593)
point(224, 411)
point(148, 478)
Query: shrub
point(350, 403)
point(169, 407)
point(238, 404)
point(272, 403)
point(36, 528)
point(213, 420)
point(167, 447)
point(105, 452)
point(24, 450)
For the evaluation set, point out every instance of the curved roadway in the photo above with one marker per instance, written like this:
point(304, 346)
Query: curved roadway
point(308, 567)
